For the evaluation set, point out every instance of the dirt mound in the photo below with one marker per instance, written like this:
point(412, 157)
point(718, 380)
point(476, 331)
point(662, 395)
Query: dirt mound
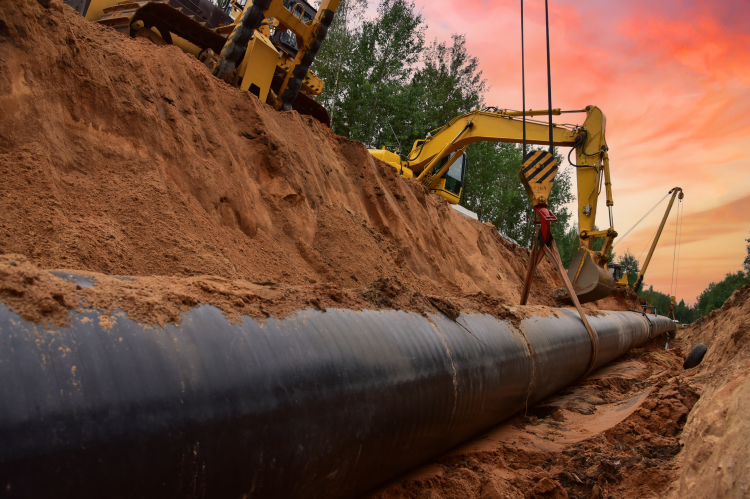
point(717, 436)
point(122, 157)
point(48, 297)
point(620, 299)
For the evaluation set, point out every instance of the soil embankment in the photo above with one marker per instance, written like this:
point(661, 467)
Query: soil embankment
point(717, 437)
point(125, 158)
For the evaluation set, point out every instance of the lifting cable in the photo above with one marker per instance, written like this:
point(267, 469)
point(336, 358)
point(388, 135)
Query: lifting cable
point(549, 81)
point(675, 257)
point(523, 88)
point(641, 220)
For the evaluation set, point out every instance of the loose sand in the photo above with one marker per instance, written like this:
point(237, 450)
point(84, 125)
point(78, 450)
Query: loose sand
point(125, 158)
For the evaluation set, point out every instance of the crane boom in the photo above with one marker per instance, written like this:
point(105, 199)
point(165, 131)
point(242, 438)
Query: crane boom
point(674, 192)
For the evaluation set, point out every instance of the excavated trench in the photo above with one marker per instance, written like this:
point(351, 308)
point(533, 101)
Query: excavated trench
point(240, 228)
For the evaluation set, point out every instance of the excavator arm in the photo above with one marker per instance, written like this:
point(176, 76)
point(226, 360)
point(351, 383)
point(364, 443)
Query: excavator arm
point(431, 160)
point(482, 126)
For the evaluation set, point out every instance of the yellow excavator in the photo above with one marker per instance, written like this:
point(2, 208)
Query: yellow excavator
point(439, 162)
point(264, 47)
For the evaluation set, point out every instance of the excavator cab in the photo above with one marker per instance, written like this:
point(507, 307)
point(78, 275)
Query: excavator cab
point(450, 185)
point(616, 270)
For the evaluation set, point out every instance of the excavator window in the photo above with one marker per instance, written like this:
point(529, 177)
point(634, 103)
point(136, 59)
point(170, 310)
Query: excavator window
point(454, 177)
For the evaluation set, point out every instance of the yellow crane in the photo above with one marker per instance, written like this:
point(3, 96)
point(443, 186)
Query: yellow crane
point(439, 162)
point(676, 192)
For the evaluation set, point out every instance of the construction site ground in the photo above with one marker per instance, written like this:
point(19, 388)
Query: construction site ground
point(123, 158)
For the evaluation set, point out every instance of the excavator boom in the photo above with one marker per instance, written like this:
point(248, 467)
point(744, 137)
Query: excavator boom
point(433, 162)
point(486, 127)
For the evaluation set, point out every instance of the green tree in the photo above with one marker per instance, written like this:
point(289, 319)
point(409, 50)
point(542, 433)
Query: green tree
point(568, 244)
point(381, 75)
point(746, 263)
point(377, 70)
point(683, 313)
point(716, 293)
point(330, 62)
point(449, 84)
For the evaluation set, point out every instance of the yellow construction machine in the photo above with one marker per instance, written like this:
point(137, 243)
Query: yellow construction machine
point(676, 193)
point(621, 281)
point(439, 162)
point(265, 47)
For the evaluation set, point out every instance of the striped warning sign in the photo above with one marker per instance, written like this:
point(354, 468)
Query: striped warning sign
point(537, 174)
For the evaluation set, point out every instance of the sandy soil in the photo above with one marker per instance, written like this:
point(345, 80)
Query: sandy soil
point(717, 437)
point(49, 297)
point(125, 158)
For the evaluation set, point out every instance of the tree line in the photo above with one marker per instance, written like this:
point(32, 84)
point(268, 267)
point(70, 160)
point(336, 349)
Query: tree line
point(382, 73)
point(712, 298)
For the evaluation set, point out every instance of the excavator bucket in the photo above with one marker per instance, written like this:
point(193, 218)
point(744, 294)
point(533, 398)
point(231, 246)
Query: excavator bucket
point(590, 281)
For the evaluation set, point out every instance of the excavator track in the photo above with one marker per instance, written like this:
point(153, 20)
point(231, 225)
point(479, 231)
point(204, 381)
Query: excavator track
point(303, 104)
point(168, 17)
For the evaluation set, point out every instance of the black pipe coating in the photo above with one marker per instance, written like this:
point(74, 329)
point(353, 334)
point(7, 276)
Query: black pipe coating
point(316, 405)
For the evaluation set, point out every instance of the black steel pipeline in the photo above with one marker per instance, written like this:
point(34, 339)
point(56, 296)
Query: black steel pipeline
point(316, 405)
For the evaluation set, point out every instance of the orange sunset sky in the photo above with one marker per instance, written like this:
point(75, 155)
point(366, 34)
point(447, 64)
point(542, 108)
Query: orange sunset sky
point(673, 79)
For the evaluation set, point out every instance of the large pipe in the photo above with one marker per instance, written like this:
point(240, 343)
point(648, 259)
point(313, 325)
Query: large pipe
point(316, 405)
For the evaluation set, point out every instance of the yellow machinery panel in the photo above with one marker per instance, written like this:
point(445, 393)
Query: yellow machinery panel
point(394, 160)
point(311, 84)
point(439, 189)
point(260, 59)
